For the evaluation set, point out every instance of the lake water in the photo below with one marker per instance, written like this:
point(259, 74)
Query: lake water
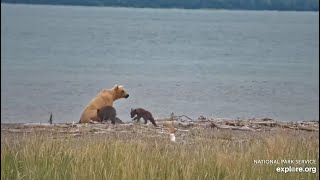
point(215, 63)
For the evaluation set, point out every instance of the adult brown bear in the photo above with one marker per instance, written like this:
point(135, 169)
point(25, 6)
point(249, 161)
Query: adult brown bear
point(105, 98)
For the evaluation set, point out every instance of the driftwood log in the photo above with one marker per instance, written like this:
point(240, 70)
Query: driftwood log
point(242, 128)
point(265, 123)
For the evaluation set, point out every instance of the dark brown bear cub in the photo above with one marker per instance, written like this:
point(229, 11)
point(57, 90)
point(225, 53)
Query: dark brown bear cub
point(142, 113)
point(107, 112)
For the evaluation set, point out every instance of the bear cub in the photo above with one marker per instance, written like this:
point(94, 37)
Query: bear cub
point(142, 113)
point(107, 112)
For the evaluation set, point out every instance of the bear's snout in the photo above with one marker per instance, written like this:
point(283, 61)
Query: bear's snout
point(126, 96)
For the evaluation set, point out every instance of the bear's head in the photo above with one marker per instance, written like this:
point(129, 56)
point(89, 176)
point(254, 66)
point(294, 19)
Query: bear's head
point(119, 92)
point(133, 112)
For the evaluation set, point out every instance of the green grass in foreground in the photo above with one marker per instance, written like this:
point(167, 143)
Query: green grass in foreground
point(40, 156)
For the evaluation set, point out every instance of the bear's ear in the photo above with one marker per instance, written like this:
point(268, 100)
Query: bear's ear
point(120, 86)
point(115, 87)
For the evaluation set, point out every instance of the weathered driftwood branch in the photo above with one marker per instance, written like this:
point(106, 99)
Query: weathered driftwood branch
point(36, 125)
point(17, 130)
point(242, 128)
point(265, 123)
point(297, 127)
point(65, 125)
point(180, 117)
point(186, 125)
point(238, 123)
point(305, 128)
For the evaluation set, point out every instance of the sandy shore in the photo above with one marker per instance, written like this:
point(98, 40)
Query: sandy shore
point(187, 130)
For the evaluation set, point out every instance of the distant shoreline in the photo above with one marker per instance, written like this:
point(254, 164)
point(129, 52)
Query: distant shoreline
point(169, 7)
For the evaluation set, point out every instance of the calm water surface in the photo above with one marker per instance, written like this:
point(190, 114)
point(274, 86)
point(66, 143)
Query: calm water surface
point(215, 63)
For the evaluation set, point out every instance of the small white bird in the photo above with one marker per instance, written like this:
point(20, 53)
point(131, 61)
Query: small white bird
point(172, 137)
